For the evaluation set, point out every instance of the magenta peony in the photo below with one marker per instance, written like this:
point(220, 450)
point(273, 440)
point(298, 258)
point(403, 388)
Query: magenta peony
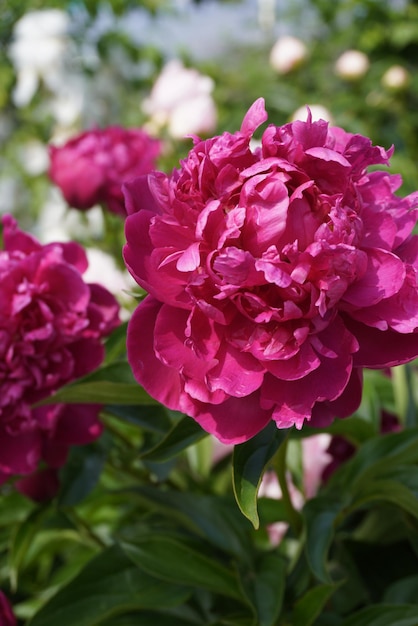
point(91, 167)
point(52, 325)
point(7, 617)
point(274, 276)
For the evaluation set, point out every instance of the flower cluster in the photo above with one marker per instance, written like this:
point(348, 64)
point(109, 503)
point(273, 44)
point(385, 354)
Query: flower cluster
point(52, 325)
point(91, 167)
point(274, 276)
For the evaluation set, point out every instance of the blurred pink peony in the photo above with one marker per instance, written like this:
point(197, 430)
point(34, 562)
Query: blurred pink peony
point(52, 325)
point(181, 100)
point(287, 54)
point(7, 617)
point(274, 277)
point(352, 65)
point(91, 167)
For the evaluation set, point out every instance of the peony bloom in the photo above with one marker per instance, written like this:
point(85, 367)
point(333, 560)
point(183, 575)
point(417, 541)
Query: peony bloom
point(352, 65)
point(91, 167)
point(396, 78)
point(287, 54)
point(38, 52)
point(52, 325)
point(315, 112)
point(7, 617)
point(274, 277)
point(181, 100)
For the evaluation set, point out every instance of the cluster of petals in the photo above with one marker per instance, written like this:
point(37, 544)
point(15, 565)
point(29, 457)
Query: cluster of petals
point(91, 167)
point(52, 326)
point(274, 276)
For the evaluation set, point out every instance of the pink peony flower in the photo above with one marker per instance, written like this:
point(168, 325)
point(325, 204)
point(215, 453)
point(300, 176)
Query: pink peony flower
point(91, 167)
point(52, 325)
point(274, 277)
point(181, 100)
point(7, 617)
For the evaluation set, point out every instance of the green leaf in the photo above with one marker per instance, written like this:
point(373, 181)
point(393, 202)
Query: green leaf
point(377, 456)
point(148, 619)
point(151, 418)
point(403, 591)
point(101, 392)
point(320, 518)
point(80, 474)
point(268, 588)
point(309, 607)
point(110, 584)
point(22, 539)
point(183, 434)
point(213, 517)
point(249, 461)
point(387, 491)
point(384, 615)
point(173, 561)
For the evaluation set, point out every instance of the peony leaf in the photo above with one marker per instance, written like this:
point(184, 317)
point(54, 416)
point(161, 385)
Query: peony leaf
point(384, 615)
point(152, 418)
point(387, 491)
point(212, 517)
point(378, 456)
point(403, 591)
point(22, 538)
point(265, 586)
point(183, 434)
point(175, 562)
point(101, 392)
point(80, 474)
point(309, 607)
point(249, 461)
point(148, 618)
point(110, 584)
point(320, 516)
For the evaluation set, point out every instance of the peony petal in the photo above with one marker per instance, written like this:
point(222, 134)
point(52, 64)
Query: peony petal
point(175, 348)
point(237, 373)
point(234, 421)
point(384, 276)
point(254, 117)
point(160, 381)
point(381, 349)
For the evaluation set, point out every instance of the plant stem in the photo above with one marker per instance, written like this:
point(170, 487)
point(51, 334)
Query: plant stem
point(294, 517)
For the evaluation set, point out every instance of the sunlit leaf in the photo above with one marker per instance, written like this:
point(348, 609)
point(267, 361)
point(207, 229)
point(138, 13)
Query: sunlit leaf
point(249, 461)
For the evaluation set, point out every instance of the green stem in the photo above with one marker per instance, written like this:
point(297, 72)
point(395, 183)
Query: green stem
point(294, 517)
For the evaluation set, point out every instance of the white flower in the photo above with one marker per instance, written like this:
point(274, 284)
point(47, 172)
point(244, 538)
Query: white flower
point(318, 112)
point(34, 157)
point(287, 54)
point(352, 65)
point(181, 100)
point(396, 78)
point(38, 51)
